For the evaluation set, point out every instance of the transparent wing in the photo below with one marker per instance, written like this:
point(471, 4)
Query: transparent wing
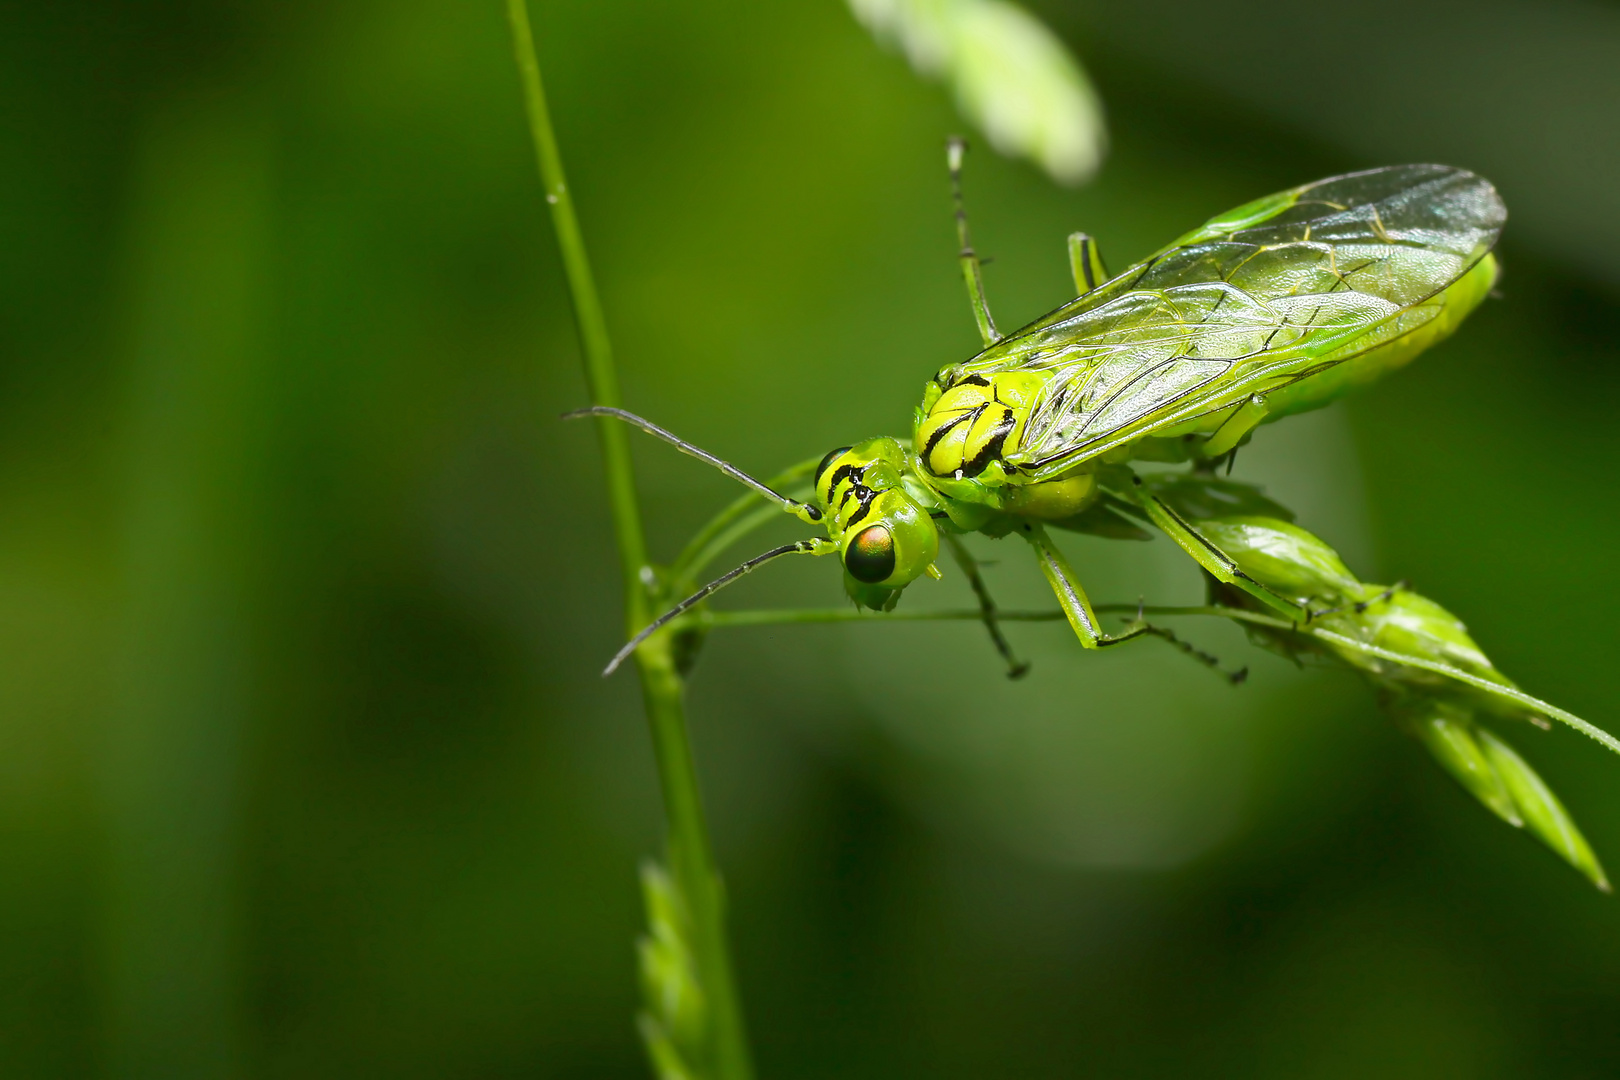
point(1278, 289)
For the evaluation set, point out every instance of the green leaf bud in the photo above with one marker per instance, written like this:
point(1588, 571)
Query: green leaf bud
point(1543, 814)
point(1449, 736)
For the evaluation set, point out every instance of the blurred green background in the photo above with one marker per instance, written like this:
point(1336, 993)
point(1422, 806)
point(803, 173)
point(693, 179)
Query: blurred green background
point(305, 768)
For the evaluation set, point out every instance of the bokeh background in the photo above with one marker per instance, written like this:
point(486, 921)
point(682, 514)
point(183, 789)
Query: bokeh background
point(305, 768)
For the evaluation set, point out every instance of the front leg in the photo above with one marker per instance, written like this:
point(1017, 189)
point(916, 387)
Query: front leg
point(1016, 669)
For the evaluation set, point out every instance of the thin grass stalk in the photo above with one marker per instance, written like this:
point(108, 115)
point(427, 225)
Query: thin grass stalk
point(715, 620)
point(690, 852)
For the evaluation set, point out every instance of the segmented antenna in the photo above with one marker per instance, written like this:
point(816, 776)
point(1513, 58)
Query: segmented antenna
point(804, 511)
point(798, 547)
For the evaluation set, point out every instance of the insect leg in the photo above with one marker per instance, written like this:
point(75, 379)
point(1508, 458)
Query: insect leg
point(1071, 597)
point(1240, 423)
point(955, 147)
point(1361, 606)
point(803, 511)
point(1086, 262)
point(1236, 678)
point(1219, 564)
point(987, 606)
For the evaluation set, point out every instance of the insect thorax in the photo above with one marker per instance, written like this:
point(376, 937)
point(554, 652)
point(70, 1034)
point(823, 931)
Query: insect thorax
point(969, 424)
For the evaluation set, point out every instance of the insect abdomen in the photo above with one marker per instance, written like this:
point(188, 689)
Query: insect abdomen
point(1456, 301)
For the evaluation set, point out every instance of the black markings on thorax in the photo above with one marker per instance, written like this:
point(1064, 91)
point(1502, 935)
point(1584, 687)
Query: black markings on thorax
point(839, 475)
point(993, 448)
point(946, 428)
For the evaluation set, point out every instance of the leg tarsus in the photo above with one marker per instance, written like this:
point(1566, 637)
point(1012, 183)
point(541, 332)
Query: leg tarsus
point(1084, 621)
point(1360, 606)
point(1209, 660)
point(1386, 595)
point(1016, 669)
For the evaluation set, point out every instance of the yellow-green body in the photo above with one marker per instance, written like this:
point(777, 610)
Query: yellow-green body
point(1275, 308)
point(968, 436)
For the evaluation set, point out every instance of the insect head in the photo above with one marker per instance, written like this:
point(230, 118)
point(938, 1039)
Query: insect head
point(885, 535)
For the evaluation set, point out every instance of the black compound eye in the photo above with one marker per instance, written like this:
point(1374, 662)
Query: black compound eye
point(832, 455)
point(870, 556)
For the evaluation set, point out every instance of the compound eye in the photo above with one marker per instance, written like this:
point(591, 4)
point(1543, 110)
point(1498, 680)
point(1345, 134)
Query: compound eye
point(870, 556)
point(832, 455)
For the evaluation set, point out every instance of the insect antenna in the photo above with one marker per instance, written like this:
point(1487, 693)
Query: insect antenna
point(794, 506)
point(798, 547)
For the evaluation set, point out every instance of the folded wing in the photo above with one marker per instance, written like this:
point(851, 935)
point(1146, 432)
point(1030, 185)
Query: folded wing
point(1279, 288)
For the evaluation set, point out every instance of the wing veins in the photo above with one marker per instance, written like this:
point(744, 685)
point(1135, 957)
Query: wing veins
point(1237, 390)
point(1449, 217)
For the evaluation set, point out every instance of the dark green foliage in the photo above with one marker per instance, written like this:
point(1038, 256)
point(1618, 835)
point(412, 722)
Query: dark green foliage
point(375, 577)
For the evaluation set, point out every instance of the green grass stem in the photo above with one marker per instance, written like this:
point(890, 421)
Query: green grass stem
point(690, 852)
point(724, 619)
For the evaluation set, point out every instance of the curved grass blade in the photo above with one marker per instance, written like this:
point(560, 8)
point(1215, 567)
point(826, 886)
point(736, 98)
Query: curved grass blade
point(1543, 814)
point(1451, 740)
point(1510, 693)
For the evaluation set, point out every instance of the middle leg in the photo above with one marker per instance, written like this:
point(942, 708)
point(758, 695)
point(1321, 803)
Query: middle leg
point(1083, 619)
point(1070, 596)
